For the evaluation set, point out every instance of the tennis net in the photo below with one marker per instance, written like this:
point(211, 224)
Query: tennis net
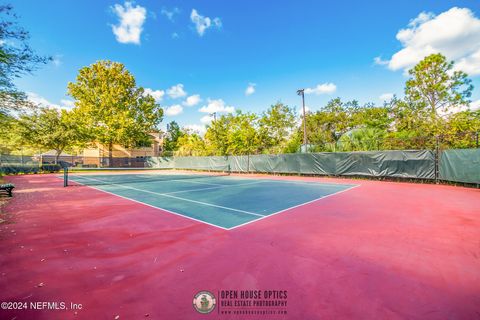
point(106, 176)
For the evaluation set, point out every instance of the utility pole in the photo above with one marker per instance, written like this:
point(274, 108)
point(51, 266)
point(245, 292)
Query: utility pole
point(301, 92)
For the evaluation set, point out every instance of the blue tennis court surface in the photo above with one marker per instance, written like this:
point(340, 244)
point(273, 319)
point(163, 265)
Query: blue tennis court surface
point(222, 201)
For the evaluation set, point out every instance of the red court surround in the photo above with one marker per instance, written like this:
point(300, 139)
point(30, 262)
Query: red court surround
point(384, 250)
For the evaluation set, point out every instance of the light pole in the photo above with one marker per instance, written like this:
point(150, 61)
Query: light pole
point(301, 92)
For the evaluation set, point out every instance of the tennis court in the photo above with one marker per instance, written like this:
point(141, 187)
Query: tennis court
point(214, 198)
point(123, 243)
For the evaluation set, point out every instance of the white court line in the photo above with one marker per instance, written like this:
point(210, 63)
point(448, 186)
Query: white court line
point(146, 180)
point(179, 198)
point(210, 204)
point(223, 186)
point(179, 180)
point(152, 206)
point(311, 183)
point(214, 225)
point(293, 207)
point(189, 180)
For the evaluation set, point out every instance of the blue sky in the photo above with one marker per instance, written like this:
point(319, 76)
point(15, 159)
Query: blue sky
point(248, 54)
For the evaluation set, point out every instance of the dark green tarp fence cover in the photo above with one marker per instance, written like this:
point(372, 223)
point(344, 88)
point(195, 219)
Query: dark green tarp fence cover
point(461, 165)
point(402, 164)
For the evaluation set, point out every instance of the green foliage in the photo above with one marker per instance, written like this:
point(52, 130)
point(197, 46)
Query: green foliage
point(8, 137)
point(173, 134)
point(275, 126)
point(190, 144)
point(216, 136)
point(16, 59)
point(461, 130)
point(435, 88)
point(111, 108)
point(48, 129)
point(233, 134)
point(327, 125)
point(364, 139)
point(293, 144)
point(372, 117)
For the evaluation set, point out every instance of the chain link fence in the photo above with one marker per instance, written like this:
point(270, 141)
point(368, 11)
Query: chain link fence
point(452, 157)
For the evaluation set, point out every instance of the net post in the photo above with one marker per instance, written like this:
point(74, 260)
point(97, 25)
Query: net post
point(65, 176)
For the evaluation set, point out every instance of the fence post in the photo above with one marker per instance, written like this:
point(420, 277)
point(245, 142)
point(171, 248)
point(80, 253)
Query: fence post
point(476, 134)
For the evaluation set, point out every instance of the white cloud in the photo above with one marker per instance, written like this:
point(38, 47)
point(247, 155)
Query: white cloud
point(216, 106)
point(475, 105)
point(156, 94)
point(470, 64)
point(67, 104)
point(174, 110)
point(202, 23)
point(386, 97)
point(250, 89)
point(324, 88)
point(170, 14)
point(131, 21)
point(206, 119)
point(380, 61)
point(176, 91)
point(454, 33)
point(175, 35)
point(198, 128)
point(43, 102)
point(191, 101)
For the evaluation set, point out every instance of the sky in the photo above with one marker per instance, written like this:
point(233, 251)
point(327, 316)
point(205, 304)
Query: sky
point(199, 57)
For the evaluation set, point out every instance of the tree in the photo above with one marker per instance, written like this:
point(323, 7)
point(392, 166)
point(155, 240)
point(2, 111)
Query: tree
point(294, 143)
point(461, 130)
point(434, 86)
point(326, 126)
point(173, 134)
point(216, 136)
point(49, 128)
point(233, 134)
point(242, 137)
point(190, 144)
point(8, 136)
point(111, 108)
point(276, 125)
point(372, 117)
point(16, 59)
point(362, 139)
